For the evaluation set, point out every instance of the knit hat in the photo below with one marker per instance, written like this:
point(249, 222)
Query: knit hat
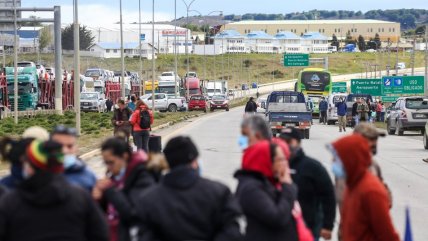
point(46, 156)
point(36, 132)
point(180, 151)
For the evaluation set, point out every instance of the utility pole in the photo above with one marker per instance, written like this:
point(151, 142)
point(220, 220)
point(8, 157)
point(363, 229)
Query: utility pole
point(426, 55)
point(188, 5)
point(175, 48)
point(388, 67)
point(76, 76)
point(122, 57)
point(413, 56)
point(396, 59)
point(15, 64)
point(139, 37)
point(153, 55)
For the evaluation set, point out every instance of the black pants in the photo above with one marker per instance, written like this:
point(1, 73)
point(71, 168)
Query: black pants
point(141, 139)
point(323, 118)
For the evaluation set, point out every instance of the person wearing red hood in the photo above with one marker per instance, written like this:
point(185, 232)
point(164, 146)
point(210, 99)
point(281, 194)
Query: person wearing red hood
point(266, 192)
point(141, 121)
point(365, 210)
point(117, 194)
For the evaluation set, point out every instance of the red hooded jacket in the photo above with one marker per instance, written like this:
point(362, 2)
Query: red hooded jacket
point(135, 118)
point(365, 210)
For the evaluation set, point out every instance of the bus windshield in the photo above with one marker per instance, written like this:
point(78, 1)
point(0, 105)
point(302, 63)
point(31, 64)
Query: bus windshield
point(167, 90)
point(315, 81)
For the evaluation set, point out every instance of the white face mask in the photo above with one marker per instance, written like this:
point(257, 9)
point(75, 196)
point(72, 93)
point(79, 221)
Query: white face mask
point(69, 161)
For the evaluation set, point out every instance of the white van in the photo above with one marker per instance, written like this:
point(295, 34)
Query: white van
point(332, 110)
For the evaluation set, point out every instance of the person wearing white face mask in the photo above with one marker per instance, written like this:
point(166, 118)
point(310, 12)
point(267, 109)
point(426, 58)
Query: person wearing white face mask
point(253, 129)
point(76, 172)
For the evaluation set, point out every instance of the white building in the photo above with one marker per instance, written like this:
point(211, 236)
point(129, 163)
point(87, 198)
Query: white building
point(230, 41)
point(112, 50)
point(314, 42)
point(289, 42)
point(164, 36)
point(261, 42)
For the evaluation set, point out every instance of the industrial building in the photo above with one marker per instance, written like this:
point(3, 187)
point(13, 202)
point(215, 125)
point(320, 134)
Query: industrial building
point(356, 27)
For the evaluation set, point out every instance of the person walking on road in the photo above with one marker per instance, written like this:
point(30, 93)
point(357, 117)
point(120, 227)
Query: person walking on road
point(379, 111)
point(266, 193)
point(109, 104)
point(132, 103)
point(251, 106)
point(141, 121)
point(45, 206)
point(323, 107)
point(365, 211)
point(355, 114)
point(118, 193)
point(120, 120)
point(316, 191)
point(76, 172)
point(342, 110)
point(186, 206)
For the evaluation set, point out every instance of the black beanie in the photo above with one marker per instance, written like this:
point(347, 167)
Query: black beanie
point(180, 151)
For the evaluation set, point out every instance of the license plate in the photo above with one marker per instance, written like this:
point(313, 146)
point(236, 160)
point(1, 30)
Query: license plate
point(197, 107)
point(85, 107)
point(420, 116)
point(290, 125)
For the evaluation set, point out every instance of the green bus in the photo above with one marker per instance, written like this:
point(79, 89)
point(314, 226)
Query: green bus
point(314, 82)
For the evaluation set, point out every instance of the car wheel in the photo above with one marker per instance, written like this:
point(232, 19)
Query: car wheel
point(211, 109)
point(227, 109)
point(205, 110)
point(425, 141)
point(388, 128)
point(172, 108)
point(400, 131)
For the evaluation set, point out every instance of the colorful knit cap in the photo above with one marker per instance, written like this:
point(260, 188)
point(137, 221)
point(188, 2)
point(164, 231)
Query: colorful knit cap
point(46, 156)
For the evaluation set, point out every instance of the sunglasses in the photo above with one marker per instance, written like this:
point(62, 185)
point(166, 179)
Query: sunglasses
point(61, 129)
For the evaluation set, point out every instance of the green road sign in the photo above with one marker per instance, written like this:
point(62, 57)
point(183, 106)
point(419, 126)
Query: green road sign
point(403, 85)
point(366, 86)
point(389, 99)
point(339, 87)
point(292, 60)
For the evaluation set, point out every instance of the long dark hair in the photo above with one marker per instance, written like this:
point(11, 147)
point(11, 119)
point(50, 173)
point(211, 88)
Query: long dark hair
point(117, 146)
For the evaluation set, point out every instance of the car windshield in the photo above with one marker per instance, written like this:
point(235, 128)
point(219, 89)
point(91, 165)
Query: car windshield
point(93, 72)
point(194, 91)
point(197, 98)
point(23, 88)
point(219, 97)
point(417, 103)
point(315, 99)
point(167, 90)
point(25, 64)
point(89, 96)
point(167, 74)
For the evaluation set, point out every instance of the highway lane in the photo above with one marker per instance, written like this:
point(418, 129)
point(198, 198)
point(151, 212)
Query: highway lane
point(399, 156)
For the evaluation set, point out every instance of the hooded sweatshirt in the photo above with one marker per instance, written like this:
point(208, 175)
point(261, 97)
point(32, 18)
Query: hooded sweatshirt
point(365, 211)
point(135, 118)
point(266, 203)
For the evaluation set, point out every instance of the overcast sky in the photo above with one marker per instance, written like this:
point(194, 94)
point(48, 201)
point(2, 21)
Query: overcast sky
point(104, 12)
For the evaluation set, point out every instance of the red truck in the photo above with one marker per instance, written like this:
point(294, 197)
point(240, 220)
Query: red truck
point(194, 85)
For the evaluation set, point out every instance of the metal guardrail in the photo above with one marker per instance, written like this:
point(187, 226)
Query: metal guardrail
point(26, 113)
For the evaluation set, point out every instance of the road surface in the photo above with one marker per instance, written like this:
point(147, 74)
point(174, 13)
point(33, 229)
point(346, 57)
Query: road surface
point(399, 156)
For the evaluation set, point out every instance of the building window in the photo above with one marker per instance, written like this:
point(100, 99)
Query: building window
point(107, 50)
point(265, 30)
point(115, 51)
point(356, 30)
point(338, 30)
point(306, 30)
point(382, 30)
point(393, 30)
point(352, 30)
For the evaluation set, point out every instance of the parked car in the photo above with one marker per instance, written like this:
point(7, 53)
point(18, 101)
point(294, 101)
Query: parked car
point(409, 113)
point(219, 102)
point(164, 103)
point(198, 102)
point(262, 102)
point(401, 65)
point(245, 87)
point(92, 101)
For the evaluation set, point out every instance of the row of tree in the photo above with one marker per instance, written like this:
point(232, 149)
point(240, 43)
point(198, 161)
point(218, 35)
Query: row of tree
point(407, 17)
point(363, 45)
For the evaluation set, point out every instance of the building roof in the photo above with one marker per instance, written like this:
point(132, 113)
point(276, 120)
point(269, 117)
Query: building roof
point(306, 22)
point(314, 36)
point(259, 35)
point(286, 35)
point(228, 34)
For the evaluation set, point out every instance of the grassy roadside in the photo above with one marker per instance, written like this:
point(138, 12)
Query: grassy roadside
point(381, 125)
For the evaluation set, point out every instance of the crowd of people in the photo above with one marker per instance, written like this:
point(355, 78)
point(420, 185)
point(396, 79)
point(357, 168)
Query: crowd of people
point(282, 194)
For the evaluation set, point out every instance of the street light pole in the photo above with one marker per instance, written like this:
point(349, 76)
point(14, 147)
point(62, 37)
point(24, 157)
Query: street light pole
point(15, 64)
point(175, 48)
point(76, 76)
point(139, 37)
point(122, 58)
point(186, 41)
point(153, 55)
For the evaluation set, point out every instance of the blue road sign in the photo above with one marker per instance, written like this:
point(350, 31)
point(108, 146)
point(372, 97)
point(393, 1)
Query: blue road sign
point(143, 37)
point(387, 82)
point(398, 82)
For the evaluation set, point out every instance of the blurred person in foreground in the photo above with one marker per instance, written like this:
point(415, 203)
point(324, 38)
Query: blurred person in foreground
point(253, 129)
point(44, 206)
point(118, 193)
point(75, 170)
point(141, 121)
point(266, 192)
point(120, 120)
point(13, 151)
point(186, 206)
point(365, 209)
point(316, 191)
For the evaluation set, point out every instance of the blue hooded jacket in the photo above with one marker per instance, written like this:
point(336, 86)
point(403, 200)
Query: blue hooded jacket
point(341, 108)
point(323, 106)
point(79, 175)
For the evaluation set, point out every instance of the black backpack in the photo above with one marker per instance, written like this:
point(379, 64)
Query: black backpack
point(144, 119)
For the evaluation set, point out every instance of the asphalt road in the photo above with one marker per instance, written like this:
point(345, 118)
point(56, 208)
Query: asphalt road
point(400, 158)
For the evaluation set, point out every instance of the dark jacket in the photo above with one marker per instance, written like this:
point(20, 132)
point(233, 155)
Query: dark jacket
point(137, 179)
point(185, 206)
point(45, 207)
point(316, 192)
point(15, 178)
point(323, 105)
point(267, 210)
point(3, 190)
point(341, 108)
point(122, 115)
point(354, 109)
point(80, 175)
point(251, 106)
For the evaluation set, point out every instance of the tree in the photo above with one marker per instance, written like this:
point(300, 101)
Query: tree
point(335, 42)
point(45, 38)
point(86, 38)
point(32, 24)
point(377, 41)
point(361, 43)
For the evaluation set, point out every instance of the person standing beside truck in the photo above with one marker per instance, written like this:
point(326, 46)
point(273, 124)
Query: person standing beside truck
point(341, 114)
point(363, 110)
point(141, 121)
point(323, 107)
point(120, 120)
point(251, 106)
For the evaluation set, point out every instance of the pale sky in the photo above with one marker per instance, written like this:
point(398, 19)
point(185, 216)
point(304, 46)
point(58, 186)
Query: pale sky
point(105, 12)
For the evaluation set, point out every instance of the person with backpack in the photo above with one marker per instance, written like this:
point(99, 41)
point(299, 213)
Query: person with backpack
point(141, 121)
point(251, 106)
point(120, 120)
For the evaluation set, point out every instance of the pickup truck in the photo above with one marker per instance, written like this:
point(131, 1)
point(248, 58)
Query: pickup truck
point(164, 103)
point(288, 109)
point(92, 101)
